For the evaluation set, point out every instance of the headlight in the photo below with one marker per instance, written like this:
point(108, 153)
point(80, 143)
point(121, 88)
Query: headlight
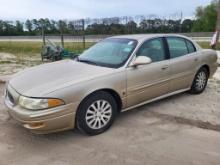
point(39, 103)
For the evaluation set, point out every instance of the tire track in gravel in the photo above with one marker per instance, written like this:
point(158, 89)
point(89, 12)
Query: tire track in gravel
point(186, 121)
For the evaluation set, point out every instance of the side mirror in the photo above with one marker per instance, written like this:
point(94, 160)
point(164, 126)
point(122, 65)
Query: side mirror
point(141, 60)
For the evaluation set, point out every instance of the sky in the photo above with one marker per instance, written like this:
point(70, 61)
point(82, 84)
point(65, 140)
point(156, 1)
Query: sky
point(75, 9)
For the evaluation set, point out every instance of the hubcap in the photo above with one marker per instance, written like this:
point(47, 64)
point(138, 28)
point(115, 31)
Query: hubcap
point(98, 114)
point(201, 80)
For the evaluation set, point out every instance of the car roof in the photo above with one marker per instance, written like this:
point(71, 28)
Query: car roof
point(141, 37)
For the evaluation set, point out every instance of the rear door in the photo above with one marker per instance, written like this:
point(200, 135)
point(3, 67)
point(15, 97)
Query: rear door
point(183, 62)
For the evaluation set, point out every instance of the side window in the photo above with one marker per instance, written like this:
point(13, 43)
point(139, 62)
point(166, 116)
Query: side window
point(154, 49)
point(190, 46)
point(177, 47)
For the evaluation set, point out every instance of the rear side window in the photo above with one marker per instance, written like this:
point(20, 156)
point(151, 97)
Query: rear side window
point(177, 47)
point(190, 46)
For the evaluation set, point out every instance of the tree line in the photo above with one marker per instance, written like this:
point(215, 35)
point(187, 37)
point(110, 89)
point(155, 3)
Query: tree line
point(35, 27)
point(205, 21)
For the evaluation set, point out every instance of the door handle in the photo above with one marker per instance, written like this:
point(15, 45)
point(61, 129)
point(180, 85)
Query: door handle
point(165, 67)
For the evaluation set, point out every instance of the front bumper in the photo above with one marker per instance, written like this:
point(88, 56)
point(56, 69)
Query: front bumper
point(44, 121)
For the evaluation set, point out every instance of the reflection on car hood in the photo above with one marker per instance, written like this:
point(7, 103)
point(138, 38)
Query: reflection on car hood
point(43, 79)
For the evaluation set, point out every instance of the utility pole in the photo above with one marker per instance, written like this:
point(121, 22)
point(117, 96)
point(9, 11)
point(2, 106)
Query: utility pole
point(62, 39)
point(83, 34)
point(61, 33)
point(217, 26)
point(181, 19)
point(43, 34)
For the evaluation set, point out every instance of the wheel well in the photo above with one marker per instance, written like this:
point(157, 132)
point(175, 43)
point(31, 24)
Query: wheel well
point(114, 94)
point(116, 97)
point(207, 68)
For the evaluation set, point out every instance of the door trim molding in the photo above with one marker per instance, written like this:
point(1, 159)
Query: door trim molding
point(155, 99)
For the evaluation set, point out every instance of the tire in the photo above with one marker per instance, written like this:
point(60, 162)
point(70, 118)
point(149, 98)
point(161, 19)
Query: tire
point(200, 81)
point(96, 113)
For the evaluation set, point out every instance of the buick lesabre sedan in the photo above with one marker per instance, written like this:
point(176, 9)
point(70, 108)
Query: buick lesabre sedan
point(115, 75)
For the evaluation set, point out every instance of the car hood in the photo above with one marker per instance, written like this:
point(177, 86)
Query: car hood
point(46, 78)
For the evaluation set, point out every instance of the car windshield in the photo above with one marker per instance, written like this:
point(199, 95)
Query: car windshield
point(112, 52)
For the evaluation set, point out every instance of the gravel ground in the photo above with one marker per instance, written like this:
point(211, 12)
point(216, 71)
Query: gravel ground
point(182, 129)
point(151, 134)
point(201, 110)
point(10, 63)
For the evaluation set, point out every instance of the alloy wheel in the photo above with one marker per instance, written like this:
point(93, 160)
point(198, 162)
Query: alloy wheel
point(98, 114)
point(201, 80)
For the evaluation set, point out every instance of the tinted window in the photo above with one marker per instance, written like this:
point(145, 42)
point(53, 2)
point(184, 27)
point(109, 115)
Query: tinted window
point(153, 49)
point(177, 47)
point(190, 46)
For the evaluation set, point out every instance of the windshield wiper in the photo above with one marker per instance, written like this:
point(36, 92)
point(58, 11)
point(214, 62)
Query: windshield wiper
point(87, 61)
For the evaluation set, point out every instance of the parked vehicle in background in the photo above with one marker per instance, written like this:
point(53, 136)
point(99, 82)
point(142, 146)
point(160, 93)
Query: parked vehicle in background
point(115, 75)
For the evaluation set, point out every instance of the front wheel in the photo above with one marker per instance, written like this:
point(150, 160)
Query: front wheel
point(96, 113)
point(200, 81)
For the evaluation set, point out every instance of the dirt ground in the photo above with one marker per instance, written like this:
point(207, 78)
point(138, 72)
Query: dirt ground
point(10, 63)
point(152, 134)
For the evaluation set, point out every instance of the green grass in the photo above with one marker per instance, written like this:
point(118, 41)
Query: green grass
point(206, 45)
point(77, 47)
point(30, 49)
point(21, 48)
point(5, 62)
point(34, 48)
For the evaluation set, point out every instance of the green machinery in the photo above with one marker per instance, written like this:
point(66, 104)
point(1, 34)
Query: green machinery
point(54, 52)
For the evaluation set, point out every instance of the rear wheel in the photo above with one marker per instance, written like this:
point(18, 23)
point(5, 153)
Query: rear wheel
point(96, 113)
point(200, 81)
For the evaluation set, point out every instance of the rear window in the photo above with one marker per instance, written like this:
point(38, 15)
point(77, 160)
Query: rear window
point(191, 47)
point(177, 47)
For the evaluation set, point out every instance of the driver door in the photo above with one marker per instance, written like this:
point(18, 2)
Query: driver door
point(145, 82)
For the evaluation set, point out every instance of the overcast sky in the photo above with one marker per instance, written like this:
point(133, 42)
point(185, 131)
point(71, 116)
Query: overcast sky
point(73, 9)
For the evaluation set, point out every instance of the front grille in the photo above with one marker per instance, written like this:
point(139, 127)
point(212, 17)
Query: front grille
point(10, 97)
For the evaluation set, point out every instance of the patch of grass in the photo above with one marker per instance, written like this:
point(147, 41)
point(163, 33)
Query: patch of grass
point(18, 48)
point(206, 45)
point(34, 48)
point(77, 47)
point(28, 49)
point(6, 62)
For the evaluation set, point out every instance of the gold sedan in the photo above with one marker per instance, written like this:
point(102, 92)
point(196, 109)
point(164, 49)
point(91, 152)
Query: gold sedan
point(115, 75)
